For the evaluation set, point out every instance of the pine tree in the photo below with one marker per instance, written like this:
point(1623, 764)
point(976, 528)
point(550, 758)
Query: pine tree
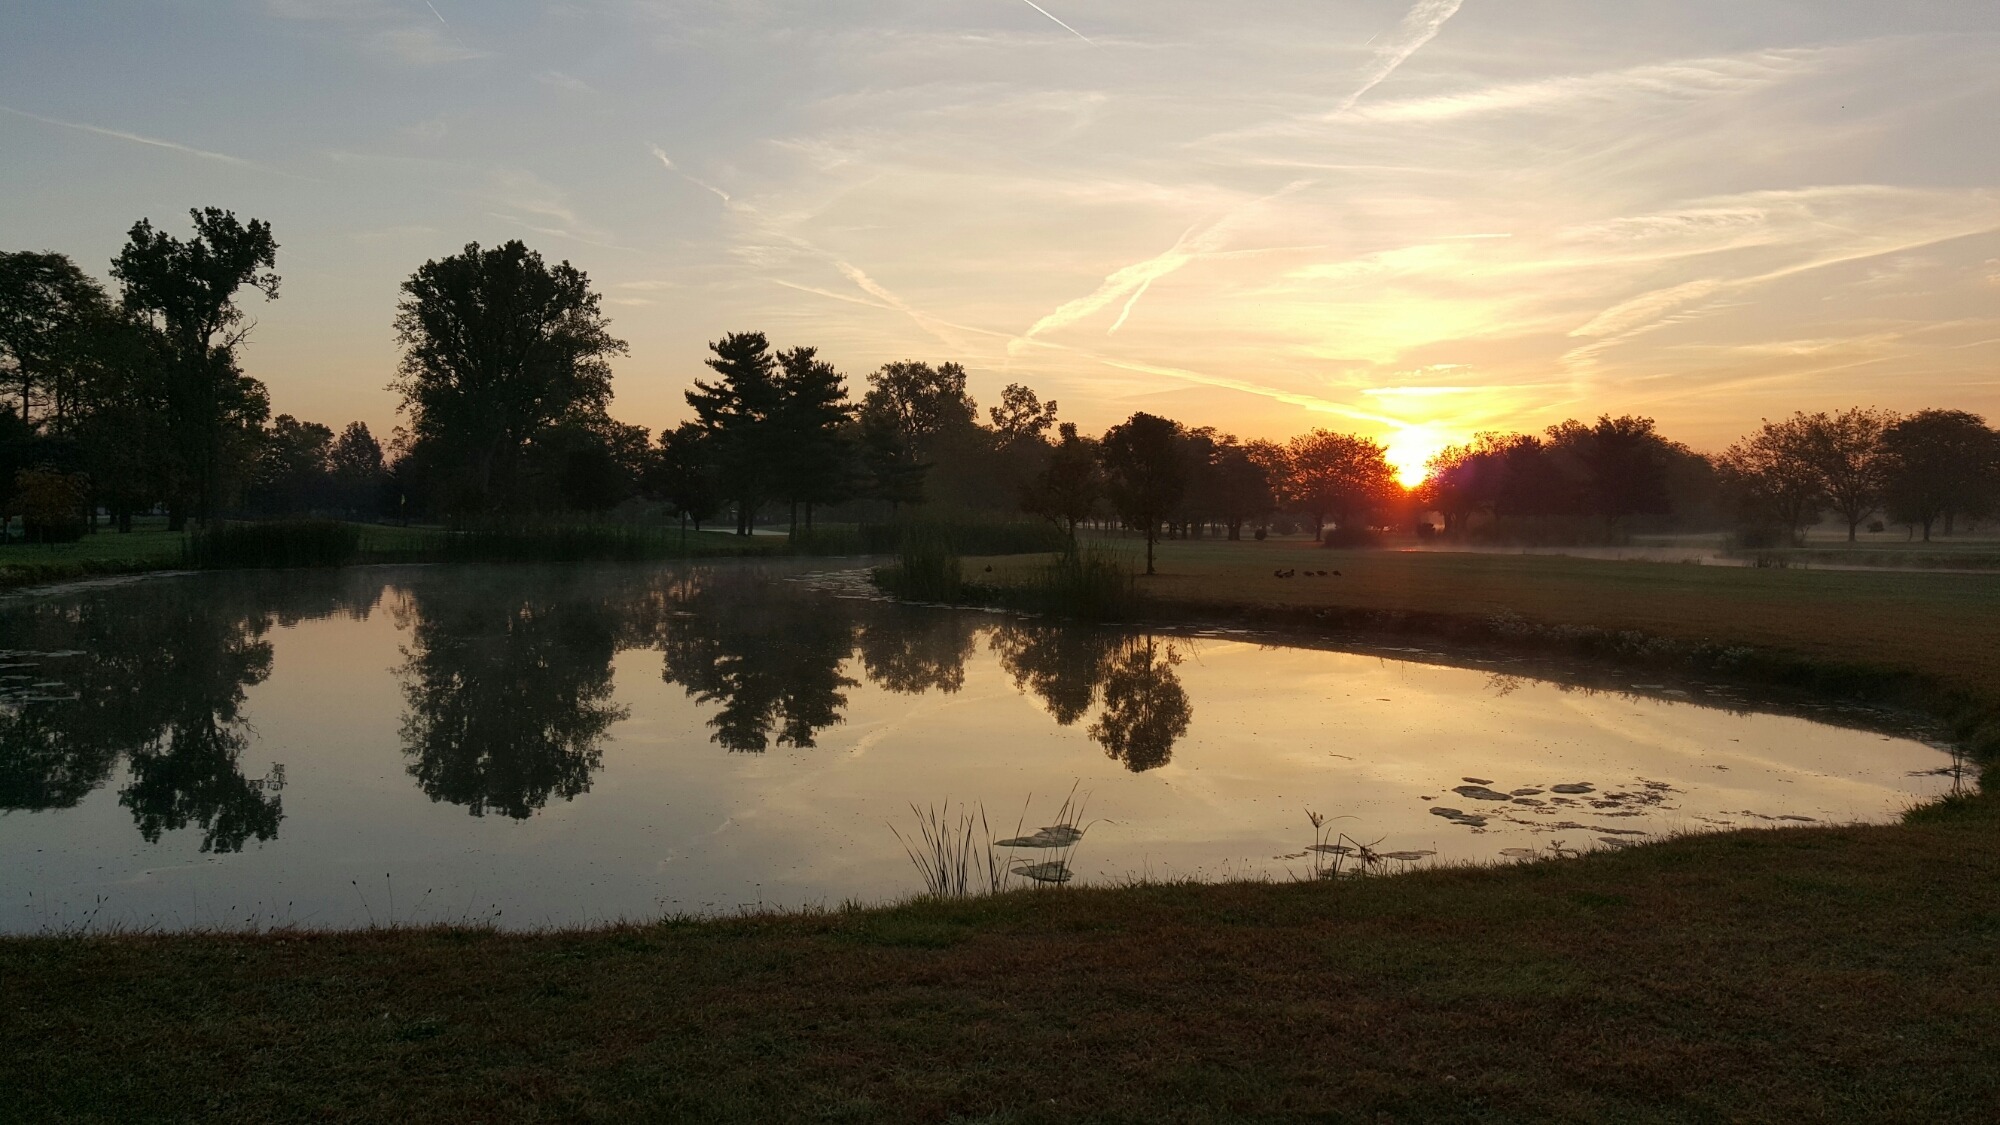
point(814, 463)
point(736, 413)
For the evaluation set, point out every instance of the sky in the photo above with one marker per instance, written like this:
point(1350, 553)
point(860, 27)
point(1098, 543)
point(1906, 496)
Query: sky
point(1413, 219)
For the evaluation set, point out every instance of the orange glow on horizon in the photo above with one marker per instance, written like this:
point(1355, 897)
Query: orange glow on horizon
point(1410, 451)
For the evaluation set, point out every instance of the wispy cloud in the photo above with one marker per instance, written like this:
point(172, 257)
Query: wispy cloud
point(135, 138)
point(1419, 27)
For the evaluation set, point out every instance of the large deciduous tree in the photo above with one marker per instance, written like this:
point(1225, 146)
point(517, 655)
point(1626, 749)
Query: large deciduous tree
point(1938, 465)
point(1338, 476)
point(1066, 491)
point(1773, 477)
point(1145, 475)
point(48, 308)
point(187, 291)
point(1845, 449)
point(497, 347)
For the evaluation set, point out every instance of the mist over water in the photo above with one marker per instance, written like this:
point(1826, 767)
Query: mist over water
point(551, 747)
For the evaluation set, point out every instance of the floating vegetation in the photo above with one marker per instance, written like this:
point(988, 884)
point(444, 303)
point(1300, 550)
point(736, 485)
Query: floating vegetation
point(1480, 793)
point(1456, 816)
point(1054, 836)
point(1052, 871)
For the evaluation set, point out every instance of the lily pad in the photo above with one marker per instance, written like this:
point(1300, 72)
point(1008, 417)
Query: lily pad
point(1054, 836)
point(1050, 872)
point(1518, 853)
point(1480, 793)
point(1406, 857)
point(1477, 780)
point(1578, 787)
point(1331, 849)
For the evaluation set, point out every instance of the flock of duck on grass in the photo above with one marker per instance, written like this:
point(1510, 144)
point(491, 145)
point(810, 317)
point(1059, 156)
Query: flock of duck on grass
point(1293, 572)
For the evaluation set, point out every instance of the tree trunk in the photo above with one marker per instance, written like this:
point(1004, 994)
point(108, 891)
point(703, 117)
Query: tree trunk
point(1152, 533)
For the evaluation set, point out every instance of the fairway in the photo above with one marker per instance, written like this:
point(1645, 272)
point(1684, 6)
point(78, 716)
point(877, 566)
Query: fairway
point(1945, 625)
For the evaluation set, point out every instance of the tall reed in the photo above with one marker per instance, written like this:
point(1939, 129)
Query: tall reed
point(926, 569)
point(273, 543)
point(1091, 582)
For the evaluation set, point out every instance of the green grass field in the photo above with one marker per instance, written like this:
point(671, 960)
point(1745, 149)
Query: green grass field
point(1942, 624)
point(1810, 974)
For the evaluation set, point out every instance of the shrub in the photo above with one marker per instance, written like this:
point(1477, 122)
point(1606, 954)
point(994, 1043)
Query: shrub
point(829, 539)
point(1352, 536)
point(273, 544)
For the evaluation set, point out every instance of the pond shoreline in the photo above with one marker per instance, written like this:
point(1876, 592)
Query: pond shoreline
point(1759, 974)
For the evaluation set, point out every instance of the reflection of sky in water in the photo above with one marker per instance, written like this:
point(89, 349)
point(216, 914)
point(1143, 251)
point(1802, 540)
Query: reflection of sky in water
point(303, 748)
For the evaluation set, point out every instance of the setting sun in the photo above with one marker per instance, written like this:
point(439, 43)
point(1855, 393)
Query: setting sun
point(1411, 449)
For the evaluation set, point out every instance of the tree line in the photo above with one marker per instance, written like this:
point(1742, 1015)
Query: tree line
point(140, 404)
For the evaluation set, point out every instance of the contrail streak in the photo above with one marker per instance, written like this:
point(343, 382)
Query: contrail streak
point(1418, 28)
point(435, 12)
point(135, 138)
point(1059, 23)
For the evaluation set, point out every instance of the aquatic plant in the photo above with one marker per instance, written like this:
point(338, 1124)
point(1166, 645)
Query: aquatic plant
point(1093, 583)
point(954, 854)
point(926, 569)
point(958, 857)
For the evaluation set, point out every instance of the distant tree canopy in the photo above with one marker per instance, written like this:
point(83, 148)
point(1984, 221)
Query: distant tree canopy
point(499, 348)
point(117, 404)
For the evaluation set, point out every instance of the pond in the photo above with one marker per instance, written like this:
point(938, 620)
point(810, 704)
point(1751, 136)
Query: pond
point(549, 747)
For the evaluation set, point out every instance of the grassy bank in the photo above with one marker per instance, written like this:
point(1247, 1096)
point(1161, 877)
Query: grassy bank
point(1768, 976)
point(1773, 975)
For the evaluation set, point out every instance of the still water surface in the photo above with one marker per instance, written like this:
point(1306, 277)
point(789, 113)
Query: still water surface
point(554, 747)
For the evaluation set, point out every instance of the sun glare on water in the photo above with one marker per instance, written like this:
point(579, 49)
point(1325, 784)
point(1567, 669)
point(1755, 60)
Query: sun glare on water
point(1411, 449)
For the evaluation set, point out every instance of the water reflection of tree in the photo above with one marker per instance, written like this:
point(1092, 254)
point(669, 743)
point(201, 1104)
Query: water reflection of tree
point(1058, 664)
point(509, 689)
point(1067, 667)
point(915, 651)
point(1145, 708)
point(770, 657)
point(157, 674)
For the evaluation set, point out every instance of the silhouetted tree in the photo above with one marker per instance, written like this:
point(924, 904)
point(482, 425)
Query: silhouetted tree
point(1021, 416)
point(737, 415)
point(293, 468)
point(683, 475)
point(1145, 708)
point(1067, 489)
point(1845, 449)
point(1623, 463)
point(812, 442)
point(358, 474)
point(187, 290)
point(1145, 474)
point(1773, 478)
point(497, 347)
point(48, 308)
point(1341, 477)
point(1937, 464)
point(1242, 490)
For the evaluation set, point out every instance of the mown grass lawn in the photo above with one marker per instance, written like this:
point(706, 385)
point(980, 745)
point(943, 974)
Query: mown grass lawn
point(1942, 624)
